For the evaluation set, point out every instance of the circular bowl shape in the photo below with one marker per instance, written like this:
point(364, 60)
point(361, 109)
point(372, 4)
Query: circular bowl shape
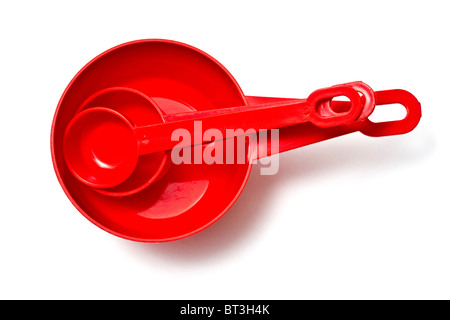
point(100, 147)
point(140, 110)
point(188, 197)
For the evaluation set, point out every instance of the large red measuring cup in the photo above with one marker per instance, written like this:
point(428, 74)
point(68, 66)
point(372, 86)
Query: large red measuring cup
point(112, 135)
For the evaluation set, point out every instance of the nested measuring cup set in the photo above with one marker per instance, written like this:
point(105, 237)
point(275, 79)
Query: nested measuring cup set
point(111, 137)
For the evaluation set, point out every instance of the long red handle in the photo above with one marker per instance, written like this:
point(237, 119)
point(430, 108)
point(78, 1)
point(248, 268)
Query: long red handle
point(235, 121)
point(296, 136)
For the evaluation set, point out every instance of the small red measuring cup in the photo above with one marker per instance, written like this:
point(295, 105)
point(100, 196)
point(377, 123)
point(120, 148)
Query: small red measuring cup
point(111, 135)
point(102, 146)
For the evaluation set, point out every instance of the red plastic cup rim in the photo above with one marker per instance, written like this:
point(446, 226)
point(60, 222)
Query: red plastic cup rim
point(214, 189)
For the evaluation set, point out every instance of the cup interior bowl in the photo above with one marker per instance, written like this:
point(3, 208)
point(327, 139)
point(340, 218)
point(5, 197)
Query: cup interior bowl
point(183, 198)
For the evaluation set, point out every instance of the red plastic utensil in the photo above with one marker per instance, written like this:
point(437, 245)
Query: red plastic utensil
point(111, 138)
point(102, 146)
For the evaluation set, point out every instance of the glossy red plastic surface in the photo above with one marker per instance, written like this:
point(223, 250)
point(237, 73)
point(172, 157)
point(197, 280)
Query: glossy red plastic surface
point(102, 147)
point(111, 139)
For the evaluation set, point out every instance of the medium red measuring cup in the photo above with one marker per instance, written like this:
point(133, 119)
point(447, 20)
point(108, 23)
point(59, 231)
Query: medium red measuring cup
point(111, 135)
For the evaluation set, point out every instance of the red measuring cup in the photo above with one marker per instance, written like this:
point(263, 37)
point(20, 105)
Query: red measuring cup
point(112, 135)
point(102, 146)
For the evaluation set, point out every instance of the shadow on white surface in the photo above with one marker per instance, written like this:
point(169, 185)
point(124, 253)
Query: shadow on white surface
point(241, 225)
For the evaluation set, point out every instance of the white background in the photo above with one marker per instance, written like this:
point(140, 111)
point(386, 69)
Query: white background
point(351, 218)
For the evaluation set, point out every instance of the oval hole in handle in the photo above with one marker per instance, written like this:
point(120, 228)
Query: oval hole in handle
point(388, 113)
point(331, 119)
point(389, 97)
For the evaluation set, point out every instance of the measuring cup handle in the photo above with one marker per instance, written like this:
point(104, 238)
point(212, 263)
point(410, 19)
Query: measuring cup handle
point(386, 97)
point(305, 134)
point(318, 98)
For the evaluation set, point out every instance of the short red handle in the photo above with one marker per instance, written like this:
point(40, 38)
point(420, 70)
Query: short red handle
point(413, 114)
